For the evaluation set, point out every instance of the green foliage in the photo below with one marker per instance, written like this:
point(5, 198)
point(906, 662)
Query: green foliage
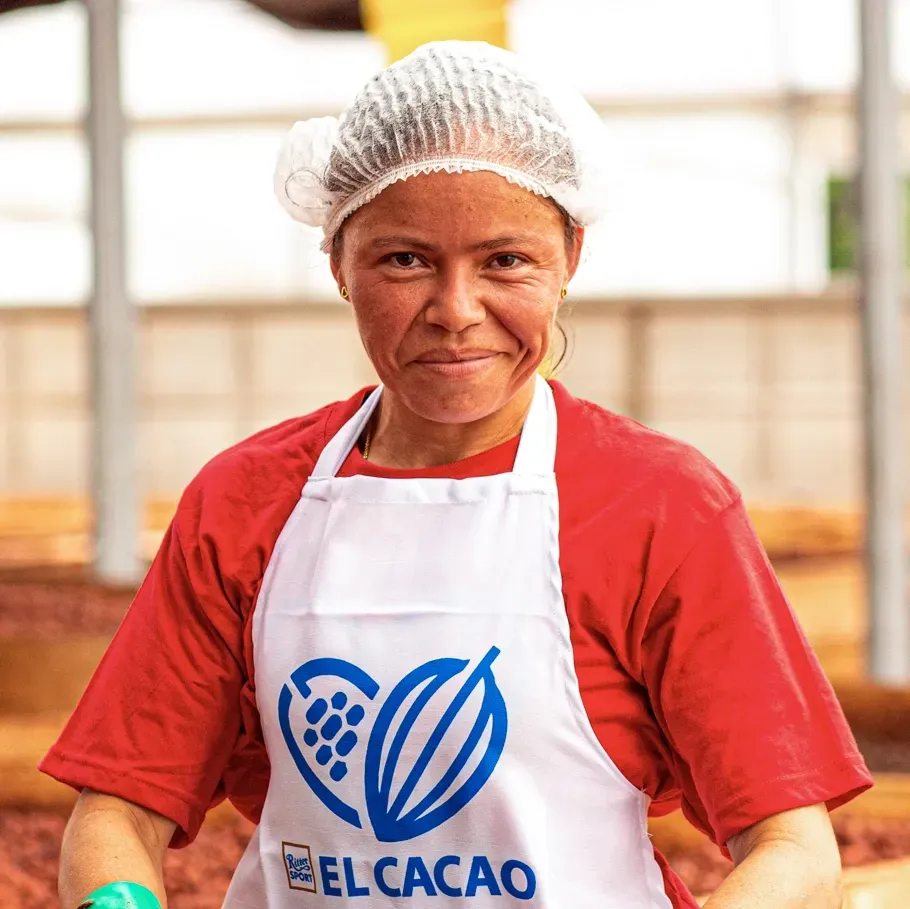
point(843, 221)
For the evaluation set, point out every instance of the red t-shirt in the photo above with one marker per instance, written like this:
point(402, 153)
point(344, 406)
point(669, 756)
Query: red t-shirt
point(696, 677)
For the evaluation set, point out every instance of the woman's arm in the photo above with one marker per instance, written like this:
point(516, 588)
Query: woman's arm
point(109, 839)
point(787, 861)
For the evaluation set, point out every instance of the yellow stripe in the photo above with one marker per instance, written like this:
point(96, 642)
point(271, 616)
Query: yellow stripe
point(403, 25)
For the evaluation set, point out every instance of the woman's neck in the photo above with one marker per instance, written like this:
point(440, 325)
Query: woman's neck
point(403, 440)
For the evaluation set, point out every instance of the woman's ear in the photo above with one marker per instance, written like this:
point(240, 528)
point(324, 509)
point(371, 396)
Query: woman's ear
point(335, 265)
point(574, 252)
point(338, 275)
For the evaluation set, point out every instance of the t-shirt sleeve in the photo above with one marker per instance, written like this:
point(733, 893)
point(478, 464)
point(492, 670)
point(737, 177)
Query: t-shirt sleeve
point(160, 717)
point(754, 725)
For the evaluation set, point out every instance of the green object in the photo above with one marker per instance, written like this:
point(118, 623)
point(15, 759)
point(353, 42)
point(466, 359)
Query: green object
point(121, 895)
point(843, 226)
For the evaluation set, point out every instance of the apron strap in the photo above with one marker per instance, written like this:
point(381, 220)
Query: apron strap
point(340, 445)
point(536, 449)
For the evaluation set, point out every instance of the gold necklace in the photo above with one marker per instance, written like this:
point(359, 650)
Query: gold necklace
point(367, 440)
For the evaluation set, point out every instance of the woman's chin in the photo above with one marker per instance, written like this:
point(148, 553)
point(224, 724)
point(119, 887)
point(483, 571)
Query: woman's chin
point(446, 401)
point(457, 396)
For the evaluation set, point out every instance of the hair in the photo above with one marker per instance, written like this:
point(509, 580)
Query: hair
point(552, 362)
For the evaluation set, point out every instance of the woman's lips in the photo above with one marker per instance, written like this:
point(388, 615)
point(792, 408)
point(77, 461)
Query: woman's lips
point(462, 368)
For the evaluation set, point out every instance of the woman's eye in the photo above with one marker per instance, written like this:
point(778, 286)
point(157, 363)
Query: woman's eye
point(403, 260)
point(506, 261)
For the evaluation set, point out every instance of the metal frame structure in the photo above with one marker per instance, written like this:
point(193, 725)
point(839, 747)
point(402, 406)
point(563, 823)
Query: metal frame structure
point(117, 500)
point(881, 281)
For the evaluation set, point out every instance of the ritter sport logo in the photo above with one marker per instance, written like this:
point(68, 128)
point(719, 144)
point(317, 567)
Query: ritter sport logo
point(438, 698)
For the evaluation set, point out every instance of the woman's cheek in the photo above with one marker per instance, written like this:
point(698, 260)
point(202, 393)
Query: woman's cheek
point(383, 318)
point(381, 342)
point(530, 324)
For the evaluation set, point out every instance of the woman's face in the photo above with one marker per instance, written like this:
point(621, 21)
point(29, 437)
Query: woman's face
point(455, 280)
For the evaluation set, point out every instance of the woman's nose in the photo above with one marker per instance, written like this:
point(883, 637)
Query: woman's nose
point(456, 303)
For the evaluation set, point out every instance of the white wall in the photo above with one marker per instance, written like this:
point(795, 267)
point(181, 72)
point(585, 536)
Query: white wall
point(727, 201)
point(650, 48)
point(768, 389)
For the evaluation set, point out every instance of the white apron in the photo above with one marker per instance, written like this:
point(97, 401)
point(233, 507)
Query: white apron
point(419, 703)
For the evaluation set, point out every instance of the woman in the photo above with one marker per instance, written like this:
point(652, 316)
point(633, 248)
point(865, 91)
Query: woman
point(499, 624)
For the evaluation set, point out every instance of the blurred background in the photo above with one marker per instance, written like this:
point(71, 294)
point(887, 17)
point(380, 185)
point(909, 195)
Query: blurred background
point(719, 302)
point(716, 303)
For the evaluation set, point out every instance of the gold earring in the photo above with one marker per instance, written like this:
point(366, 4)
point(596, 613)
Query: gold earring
point(565, 293)
point(344, 292)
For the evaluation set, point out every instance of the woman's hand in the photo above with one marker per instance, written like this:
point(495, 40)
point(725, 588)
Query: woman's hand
point(109, 839)
point(787, 861)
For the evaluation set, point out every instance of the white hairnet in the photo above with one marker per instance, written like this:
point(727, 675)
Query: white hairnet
point(454, 106)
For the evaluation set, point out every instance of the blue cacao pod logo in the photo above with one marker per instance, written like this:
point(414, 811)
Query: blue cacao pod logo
point(434, 742)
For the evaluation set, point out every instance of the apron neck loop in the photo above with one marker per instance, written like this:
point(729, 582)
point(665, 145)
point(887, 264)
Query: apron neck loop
point(536, 449)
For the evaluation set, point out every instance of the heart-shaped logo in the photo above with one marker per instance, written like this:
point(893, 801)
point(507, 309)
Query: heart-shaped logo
point(430, 747)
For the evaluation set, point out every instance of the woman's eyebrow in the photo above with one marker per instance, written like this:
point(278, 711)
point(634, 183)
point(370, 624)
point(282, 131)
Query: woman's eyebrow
point(499, 242)
point(401, 240)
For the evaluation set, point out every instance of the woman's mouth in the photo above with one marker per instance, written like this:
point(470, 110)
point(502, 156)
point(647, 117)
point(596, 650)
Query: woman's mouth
point(457, 364)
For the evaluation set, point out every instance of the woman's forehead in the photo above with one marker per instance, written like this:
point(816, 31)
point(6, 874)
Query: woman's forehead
point(455, 204)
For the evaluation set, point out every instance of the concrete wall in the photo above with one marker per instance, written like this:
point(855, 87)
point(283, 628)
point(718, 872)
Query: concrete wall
point(768, 388)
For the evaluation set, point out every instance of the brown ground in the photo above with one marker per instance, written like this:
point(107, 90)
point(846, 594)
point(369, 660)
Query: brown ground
point(58, 602)
point(197, 876)
point(885, 757)
point(862, 841)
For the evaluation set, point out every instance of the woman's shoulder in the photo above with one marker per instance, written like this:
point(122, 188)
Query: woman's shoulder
point(622, 455)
